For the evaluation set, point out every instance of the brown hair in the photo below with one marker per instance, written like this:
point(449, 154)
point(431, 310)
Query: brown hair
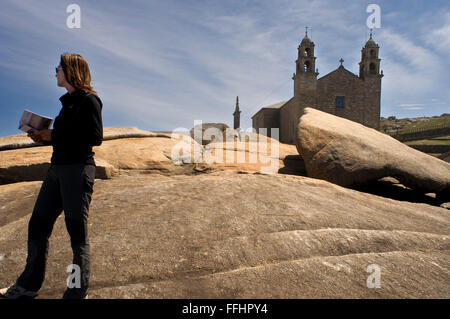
point(76, 71)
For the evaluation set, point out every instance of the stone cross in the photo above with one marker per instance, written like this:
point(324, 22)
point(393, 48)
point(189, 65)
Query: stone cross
point(341, 60)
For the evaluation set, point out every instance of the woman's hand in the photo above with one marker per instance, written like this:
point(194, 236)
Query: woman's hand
point(41, 135)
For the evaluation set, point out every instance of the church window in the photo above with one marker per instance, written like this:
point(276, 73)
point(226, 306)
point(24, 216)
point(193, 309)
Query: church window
point(340, 102)
point(372, 68)
point(306, 67)
point(372, 52)
point(307, 52)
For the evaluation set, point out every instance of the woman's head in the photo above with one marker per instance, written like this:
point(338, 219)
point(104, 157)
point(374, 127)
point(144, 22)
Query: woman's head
point(74, 70)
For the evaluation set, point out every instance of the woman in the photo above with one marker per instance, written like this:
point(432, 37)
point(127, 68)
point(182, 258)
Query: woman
point(69, 182)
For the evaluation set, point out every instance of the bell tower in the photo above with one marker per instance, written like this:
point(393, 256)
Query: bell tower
point(306, 61)
point(305, 77)
point(370, 73)
point(370, 62)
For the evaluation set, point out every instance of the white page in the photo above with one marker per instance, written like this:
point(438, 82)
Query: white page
point(32, 121)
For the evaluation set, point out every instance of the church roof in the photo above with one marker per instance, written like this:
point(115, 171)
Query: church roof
point(272, 106)
point(341, 68)
point(371, 42)
point(275, 106)
point(306, 40)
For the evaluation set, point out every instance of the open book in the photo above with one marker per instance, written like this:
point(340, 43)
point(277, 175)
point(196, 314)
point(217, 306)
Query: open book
point(31, 122)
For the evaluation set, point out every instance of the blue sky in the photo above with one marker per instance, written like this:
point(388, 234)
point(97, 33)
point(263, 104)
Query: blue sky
point(159, 65)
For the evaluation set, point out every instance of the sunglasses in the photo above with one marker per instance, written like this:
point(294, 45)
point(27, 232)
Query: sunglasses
point(58, 68)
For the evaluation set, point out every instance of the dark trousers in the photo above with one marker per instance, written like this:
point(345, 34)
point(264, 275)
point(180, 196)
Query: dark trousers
point(67, 187)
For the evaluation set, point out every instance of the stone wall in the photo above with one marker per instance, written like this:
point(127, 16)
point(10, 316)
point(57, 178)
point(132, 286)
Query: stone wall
point(372, 104)
point(362, 97)
point(288, 121)
point(424, 134)
point(266, 118)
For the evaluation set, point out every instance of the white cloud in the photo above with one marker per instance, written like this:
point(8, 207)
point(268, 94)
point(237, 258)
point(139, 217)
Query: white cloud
point(409, 68)
point(412, 106)
point(420, 58)
point(440, 37)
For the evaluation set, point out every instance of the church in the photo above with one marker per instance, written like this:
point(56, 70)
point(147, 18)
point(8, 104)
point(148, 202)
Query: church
point(340, 92)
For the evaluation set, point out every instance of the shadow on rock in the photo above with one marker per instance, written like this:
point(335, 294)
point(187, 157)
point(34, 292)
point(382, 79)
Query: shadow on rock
point(391, 188)
point(293, 165)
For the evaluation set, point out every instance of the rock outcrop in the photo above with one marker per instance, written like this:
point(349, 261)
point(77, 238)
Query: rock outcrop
point(132, 151)
point(229, 235)
point(347, 153)
point(109, 133)
point(163, 226)
point(206, 133)
point(120, 152)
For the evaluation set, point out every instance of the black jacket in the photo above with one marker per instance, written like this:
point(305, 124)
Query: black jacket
point(77, 128)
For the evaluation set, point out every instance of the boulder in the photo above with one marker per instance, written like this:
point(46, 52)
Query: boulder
point(116, 132)
point(206, 133)
point(150, 155)
point(121, 152)
point(348, 153)
point(252, 152)
point(31, 164)
point(109, 133)
point(160, 153)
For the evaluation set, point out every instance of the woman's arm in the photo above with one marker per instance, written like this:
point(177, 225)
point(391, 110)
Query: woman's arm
point(41, 136)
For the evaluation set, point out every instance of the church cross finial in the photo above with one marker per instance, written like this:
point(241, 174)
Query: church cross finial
point(306, 32)
point(371, 33)
point(341, 60)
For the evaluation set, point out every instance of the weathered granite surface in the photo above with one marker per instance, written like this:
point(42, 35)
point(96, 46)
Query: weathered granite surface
point(348, 153)
point(230, 235)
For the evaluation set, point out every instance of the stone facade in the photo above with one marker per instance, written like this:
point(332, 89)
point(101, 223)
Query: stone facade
point(340, 93)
